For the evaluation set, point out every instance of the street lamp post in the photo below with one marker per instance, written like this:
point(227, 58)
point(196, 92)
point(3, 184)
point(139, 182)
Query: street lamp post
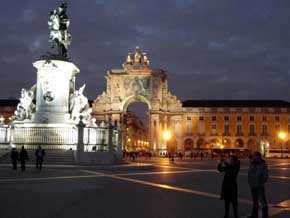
point(166, 137)
point(282, 136)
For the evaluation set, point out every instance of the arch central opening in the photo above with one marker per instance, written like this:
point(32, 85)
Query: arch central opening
point(136, 127)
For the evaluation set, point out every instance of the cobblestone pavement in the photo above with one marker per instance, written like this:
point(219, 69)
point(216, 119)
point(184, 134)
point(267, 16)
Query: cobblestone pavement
point(187, 188)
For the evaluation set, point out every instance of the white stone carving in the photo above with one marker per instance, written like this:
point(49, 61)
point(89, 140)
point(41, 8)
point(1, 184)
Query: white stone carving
point(2, 119)
point(79, 105)
point(25, 107)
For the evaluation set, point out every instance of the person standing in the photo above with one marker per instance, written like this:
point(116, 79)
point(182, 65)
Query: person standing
point(257, 177)
point(39, 154)
point(201, 155)
point(14, 158)
point(23, 156)
point(229, 191)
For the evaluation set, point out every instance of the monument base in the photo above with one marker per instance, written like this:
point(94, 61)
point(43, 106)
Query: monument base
point(55, 86)
point(51, 136)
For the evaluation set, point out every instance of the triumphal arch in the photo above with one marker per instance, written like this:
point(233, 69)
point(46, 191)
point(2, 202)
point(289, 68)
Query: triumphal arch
point(137, 82)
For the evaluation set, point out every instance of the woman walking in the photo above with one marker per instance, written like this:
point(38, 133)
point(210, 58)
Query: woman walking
point(229, 191)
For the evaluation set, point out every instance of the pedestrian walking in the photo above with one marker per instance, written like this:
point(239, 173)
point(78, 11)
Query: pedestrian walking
point(150, 155)
point(39, 154)
point(180, 155)
point(229, 192)
point(14, 157)
point(23, 156)
point(201, 155)
point(171, 157)
point(257, 177)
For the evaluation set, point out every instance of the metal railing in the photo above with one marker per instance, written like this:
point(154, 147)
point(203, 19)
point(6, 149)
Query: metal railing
point(95, 138)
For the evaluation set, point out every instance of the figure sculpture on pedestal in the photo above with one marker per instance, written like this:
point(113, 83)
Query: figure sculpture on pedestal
point(58, 24)
point(79, 105)
point(2, 119)
point(25, 107)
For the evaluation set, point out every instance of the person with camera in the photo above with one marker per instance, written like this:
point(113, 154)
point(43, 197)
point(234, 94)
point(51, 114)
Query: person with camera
point(229, 192)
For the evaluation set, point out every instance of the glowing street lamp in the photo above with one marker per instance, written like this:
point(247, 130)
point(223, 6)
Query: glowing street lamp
point(166, 135)
point(282, 135)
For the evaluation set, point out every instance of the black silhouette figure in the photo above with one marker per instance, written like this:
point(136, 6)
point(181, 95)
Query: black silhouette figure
point(229, 191)
point(257, 177)
point(14, 157)
point(23, 156)
point(39, 154)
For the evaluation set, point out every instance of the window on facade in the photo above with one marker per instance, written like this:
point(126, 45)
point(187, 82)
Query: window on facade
point(201, 118)
point(214, 129)
point(239, 129)
point(252, 129)
point(226, 129)
point(264, 129)
point(288, 119)
point(277, 118)
point(277, 127)
point(226, 118)
point(239, 118)
point(188, 117)
point(252, 118)
point(213, 118)
point(264, 118)
point(289, 128)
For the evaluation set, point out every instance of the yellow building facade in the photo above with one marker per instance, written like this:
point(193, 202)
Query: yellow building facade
point(237, 124)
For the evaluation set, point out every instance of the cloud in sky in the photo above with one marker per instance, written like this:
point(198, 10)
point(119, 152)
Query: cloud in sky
point(211, 49)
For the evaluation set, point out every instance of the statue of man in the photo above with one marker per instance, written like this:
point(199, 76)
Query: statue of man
point(58, 25)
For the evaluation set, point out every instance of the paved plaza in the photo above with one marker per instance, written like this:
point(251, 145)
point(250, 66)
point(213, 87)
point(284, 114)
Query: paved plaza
point(187, 188)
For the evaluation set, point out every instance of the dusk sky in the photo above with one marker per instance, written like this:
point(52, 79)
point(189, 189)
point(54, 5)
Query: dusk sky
point(212, 49)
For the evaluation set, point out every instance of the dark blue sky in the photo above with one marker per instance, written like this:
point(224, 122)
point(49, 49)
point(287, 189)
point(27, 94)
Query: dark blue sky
point(211, 49)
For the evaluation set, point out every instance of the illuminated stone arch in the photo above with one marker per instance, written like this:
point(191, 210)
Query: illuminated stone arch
point(137, 82)
point(239, 143)
point(227, 142)
point(201, 143)
point(188, 144)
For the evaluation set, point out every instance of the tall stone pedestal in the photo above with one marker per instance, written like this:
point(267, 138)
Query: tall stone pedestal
point(55, 84)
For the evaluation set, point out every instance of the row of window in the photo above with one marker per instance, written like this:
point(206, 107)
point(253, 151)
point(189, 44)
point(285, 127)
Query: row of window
point(239, 118)
point(251, 128)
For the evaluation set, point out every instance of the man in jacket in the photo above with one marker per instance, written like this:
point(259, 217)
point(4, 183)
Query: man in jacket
point(257, 177)
point(23, 156)
point(14, 158)
point(39, 154)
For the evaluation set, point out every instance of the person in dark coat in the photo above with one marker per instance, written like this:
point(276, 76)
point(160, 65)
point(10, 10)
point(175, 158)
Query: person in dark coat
point(39, 154)
point(257, 177)
point(14, 158)
point(201, 155)
point(23, 156)
point(229, 191)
